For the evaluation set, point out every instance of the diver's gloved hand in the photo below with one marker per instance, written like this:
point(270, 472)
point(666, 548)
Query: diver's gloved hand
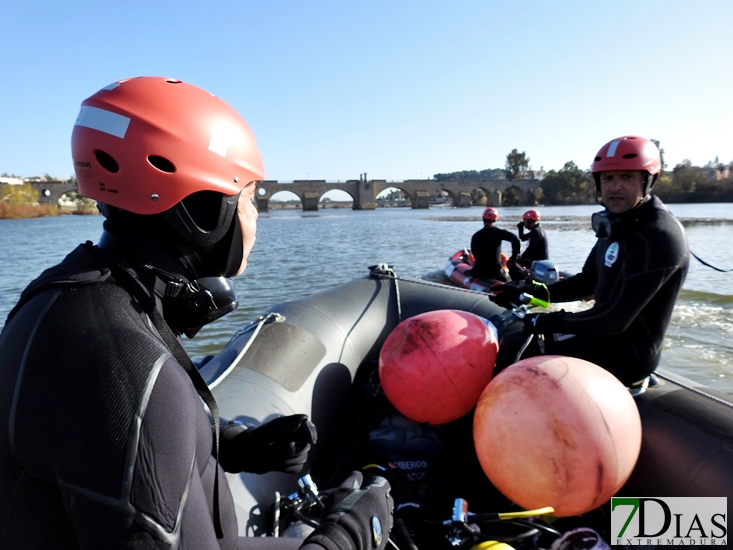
point(331, 496)
point(542, 323)
point(282, 445)
point(520, 226)
point(361, 518)
point(507, 294)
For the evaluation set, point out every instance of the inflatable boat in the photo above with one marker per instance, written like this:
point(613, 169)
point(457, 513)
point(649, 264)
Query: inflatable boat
point(317, 355)
point(458, 270)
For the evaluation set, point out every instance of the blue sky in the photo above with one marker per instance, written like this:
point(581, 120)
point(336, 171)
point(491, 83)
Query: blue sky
point(396, 89)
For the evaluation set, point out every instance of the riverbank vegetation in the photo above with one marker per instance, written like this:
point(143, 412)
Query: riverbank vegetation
point(21, 201)
point(569, 185)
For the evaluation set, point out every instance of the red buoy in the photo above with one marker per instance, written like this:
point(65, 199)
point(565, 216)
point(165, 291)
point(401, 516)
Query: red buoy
point(557, 431)
point(434, 366)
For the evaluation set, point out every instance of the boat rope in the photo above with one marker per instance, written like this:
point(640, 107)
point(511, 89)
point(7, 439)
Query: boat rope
point(695, 390)
point(384, 271)
point(703, 262)
point(257, 325)
point(399, 301)
point(523, 348)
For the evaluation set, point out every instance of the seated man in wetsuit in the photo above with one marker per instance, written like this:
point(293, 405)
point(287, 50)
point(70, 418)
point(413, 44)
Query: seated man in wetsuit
point(104, 439)
point(486, 248)
point(537, 246)
point(634, 272)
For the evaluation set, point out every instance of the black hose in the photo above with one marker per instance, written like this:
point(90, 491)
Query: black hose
point(708, 265)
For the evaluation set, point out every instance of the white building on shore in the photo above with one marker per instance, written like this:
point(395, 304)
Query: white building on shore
point(11, 181)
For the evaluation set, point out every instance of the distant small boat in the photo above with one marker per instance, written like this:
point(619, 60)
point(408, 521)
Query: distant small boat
point(458, 269)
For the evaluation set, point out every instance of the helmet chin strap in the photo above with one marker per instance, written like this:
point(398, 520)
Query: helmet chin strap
point(649, 181)
point(188, 304)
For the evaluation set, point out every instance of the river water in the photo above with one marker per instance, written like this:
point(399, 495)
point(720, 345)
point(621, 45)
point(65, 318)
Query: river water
point(298, 253)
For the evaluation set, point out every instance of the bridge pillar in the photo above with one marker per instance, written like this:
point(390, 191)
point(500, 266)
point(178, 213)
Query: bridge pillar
point(263, 205)
point(310, 201)
point(494, 199)
point(421, 199)
point(364, 199)
point(464, 200)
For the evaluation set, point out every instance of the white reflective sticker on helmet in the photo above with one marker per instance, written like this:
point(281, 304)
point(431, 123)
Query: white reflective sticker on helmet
point(221, 135)
point(612, 149)
point(104, 121)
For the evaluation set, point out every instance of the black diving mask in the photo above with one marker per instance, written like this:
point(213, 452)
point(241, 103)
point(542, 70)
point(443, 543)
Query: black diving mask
point(601, 224)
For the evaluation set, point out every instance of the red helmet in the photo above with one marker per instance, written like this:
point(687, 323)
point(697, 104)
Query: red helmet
point(491, 214)
point(533, 215)
point(629, 153)
point(144, 144)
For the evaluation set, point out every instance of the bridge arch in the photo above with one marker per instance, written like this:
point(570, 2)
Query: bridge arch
point(49, 192)
point(419, 192)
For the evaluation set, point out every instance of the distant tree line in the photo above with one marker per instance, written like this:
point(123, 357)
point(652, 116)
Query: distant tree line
point(489, 174)
point(572, 185)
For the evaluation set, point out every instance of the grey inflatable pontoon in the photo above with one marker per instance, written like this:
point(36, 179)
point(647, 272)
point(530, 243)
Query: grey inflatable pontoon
point(302, 357)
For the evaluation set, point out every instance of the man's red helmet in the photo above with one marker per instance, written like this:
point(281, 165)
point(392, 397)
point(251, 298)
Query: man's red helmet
point(491, 214)
point(629, 153)
point(144, 144)
point(533, 215)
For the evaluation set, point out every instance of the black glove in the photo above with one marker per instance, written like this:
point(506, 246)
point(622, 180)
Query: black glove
point(507, 294)
point(520, 226)
point(541, 323)
point(361, 520)
point(282, 445)
point(329, 497)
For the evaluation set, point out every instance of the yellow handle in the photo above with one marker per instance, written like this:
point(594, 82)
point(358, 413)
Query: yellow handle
point(491, 545)
point(537, 302)
point(528, 513)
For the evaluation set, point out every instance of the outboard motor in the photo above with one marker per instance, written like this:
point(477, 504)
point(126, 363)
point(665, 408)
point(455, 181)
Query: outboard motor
point(544, 271)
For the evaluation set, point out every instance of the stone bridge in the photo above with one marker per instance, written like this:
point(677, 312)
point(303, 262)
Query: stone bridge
point(50, 191)
point(363, 192)
point(419, 192)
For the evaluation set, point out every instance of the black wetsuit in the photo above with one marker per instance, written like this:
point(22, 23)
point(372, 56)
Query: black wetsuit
point(104, 442)
point(634, 275)
point(536, 248)
point(486, 249)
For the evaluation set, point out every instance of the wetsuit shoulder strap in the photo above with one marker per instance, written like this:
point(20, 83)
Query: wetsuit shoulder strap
point(78, 268)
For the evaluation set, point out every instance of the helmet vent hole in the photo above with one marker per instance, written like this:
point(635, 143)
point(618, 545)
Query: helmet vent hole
point(162, 164)
point(597, 159)
point(172, 81)
point(107, 162)
point(630, 156)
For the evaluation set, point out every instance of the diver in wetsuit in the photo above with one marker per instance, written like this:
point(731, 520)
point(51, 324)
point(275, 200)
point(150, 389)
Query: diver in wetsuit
point(634, 273)
point(104, 440)
point(537, 246)
point(486, 248)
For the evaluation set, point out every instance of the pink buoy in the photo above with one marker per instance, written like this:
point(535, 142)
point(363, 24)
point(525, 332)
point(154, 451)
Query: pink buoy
point(434, 366)
point(557, 431)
